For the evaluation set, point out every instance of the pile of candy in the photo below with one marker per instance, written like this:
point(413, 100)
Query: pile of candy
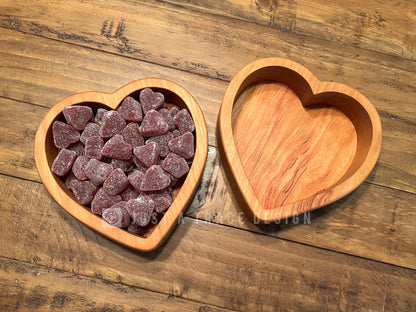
point(123, 164)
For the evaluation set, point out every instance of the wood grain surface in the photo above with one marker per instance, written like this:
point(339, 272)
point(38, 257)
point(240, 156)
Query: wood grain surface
point(29, 287)
point(304, 170)
point(356, 254)
point(293, 143)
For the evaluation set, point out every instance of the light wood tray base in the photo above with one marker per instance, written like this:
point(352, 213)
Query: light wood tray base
point(294, 143)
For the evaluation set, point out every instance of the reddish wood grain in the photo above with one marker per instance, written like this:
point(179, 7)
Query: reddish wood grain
point(292, 142)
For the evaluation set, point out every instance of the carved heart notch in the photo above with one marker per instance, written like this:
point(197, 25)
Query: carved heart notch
point(293, 143)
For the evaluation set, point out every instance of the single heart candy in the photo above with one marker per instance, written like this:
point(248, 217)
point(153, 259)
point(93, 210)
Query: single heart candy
point(141, 210)
point(155, 179)
point(117, 215)
point(175, 165)
point(77, 115)
point(84, 191)
point(183, 121)
point(117, 148)
point(162, 200)
point(63, 162)
point(111, 124)
point(153, 124)
point(116, 182)
point(183, 145)
point(130, 109)
point(151, 100)
point(64, 134)
point(148, 154)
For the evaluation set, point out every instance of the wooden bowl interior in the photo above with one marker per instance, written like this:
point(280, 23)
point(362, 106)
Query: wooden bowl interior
point(294, 144)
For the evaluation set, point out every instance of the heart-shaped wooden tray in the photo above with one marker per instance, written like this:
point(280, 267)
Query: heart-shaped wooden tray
point(293, 143)
point(45, 152)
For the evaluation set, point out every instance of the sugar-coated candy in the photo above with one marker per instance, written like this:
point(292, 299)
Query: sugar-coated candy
point(130, 109)
point(93, 146)
point(183, 145)
point(103, 200)
point(129, 193)
point(167, 116)
point(122, 164)
point(117, 215)
point(135, 178)
point(153, 124)
point(138, 164)
point(173, 180)
point(136, 229)
point(125, 165)
point(175, 165)
point(148, 154)
point(151, 100)
point(68, 178)
point(141, 210)
point(174, 110)
point(84, 191)
point(116, 148)
point(78, 168)
point(183, 121)
point(100, 115)
point(155, 179)
point(131, 134)
point(162, 141)
point(97, 171)
point(63, 162)
point(77, 115)
point(78, 148)
point(64, 134)
point(111, 124)
point(116, 182)
point(91, 130)
point(162, 200)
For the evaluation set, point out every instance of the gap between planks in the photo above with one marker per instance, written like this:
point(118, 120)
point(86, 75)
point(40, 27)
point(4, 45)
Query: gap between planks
point(190, 216)
point(152, 297)
point(343, 66)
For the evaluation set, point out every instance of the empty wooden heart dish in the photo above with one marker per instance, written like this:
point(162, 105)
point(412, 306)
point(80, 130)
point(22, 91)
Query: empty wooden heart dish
point(293, 143)
point(45, 153)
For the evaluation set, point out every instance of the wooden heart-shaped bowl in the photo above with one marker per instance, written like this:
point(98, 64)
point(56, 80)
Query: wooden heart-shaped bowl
point(45, 153)
point(293, 143)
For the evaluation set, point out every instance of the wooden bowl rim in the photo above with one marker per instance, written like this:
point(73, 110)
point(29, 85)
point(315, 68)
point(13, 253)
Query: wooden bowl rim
point(246, 77)
point(162, 230)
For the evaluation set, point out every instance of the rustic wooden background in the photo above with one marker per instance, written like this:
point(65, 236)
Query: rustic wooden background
point(357, 254)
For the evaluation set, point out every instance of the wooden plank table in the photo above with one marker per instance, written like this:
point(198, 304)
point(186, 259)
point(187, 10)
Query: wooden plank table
point(357, 254)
